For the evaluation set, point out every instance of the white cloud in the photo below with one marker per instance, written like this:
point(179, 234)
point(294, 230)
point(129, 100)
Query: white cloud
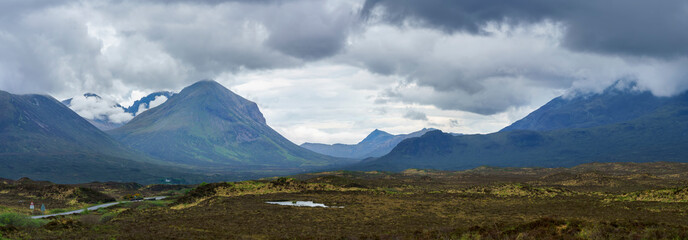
point(157, 101)
point(97, 108)
point(142, 108)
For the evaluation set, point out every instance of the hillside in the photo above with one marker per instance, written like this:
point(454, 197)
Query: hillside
point(615, 104)
point(207, 125)
point(661, 135)
point(43, 139)
point(376, 144)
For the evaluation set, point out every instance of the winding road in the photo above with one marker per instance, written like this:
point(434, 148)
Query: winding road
point(93, 208)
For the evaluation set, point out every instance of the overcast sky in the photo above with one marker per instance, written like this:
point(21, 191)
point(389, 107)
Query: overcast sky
point(332, 71)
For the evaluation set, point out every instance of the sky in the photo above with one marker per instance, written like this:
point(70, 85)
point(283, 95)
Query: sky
point(331, 71)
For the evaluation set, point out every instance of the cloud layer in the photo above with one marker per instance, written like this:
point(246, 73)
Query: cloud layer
point(334, 70)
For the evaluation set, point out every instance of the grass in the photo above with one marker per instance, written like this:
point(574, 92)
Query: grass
point(20, 220)
point(57, 210)
point(659, 195)
point(107, 217)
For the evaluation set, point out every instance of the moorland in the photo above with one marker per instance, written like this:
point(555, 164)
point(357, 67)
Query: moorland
point(589, 201)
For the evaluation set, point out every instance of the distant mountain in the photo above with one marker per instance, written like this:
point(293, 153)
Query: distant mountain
point(207, 125)
point(145, 102)
point(104, 119)
point(617, 103)
point(660, 134)
point(376, 144)
point(102, 122)
point(41, 138)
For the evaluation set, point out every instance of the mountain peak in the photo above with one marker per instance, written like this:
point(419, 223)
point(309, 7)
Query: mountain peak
point(206, 125)
point(204, 84)
point(214, 98)
point(376, 134)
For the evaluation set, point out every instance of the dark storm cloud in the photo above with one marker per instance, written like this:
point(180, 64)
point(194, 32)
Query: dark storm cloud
point(644, 28)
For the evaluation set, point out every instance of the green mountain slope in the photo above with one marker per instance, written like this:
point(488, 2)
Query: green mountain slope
point(207, 125)
point(40, 138)
point(376, 144)
point(661, 135)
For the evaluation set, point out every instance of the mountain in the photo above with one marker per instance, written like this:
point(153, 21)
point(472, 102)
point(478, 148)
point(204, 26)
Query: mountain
point(658, 135)
point(207, 125)
point(107, 115)
point(618, 103)
point(41, 138)
point(101, 121)
point(376, 144)
point(145, 102)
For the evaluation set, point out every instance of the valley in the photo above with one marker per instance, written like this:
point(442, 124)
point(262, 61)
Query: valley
point(356, 119)
point(590, 201)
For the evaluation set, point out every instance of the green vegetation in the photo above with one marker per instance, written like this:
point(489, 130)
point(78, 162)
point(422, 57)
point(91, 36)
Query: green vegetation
point(592, 201)
point(107, 217)
point(662, 195)
point(57, 210)
point(20, 220)
point(523, 190)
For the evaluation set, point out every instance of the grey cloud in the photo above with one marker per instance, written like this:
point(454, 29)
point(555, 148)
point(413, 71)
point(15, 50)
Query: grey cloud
point(467, 72)
point(40, 47)
point(308, 30)
point(642, 28)
point(70, 47)
point(507, 66)
point(415, 115)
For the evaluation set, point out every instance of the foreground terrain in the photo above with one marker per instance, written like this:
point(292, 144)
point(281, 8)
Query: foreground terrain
point(591, 201)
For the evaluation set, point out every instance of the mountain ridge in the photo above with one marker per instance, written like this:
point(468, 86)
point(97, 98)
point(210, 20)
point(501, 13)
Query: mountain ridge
point(44, 139)
point(617, 103)
point(660, 135)
point(376, 144)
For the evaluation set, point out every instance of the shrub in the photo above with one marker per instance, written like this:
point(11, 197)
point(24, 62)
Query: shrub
point(89, 219)
point(20, 220)
point(107, 217)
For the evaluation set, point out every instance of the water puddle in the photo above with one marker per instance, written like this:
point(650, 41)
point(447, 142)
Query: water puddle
point(302, 204)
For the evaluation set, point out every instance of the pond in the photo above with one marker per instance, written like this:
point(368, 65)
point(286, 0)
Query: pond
point(302, 204)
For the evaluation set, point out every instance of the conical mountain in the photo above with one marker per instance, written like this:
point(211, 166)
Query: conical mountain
point(207, 125)
point(41, 138)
